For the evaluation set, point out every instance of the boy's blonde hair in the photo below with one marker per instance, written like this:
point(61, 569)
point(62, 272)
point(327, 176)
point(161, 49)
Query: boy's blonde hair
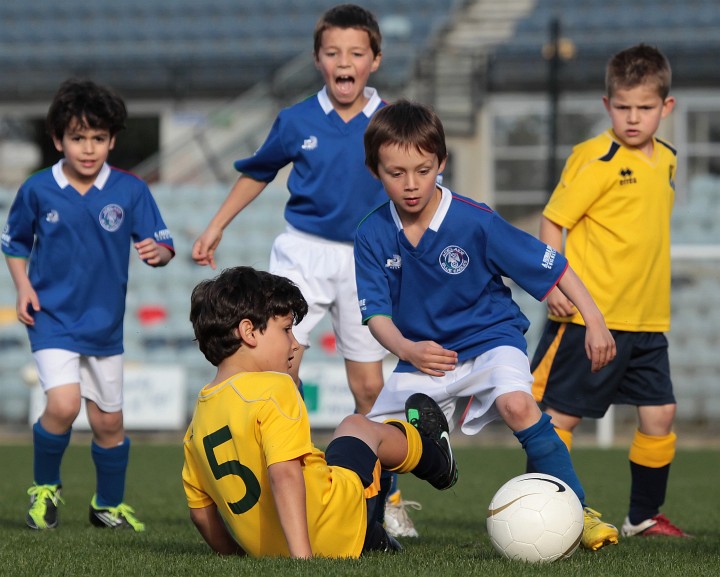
point(349, 16)
point(640, 64)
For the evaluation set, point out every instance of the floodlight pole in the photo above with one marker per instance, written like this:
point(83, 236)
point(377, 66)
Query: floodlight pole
point(553, 99)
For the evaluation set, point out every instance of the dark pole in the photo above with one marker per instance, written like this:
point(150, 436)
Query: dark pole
point(553, 98)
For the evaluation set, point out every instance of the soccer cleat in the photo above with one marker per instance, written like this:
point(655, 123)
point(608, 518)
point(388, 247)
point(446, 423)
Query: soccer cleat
point(120, 517)
point(43, 512)
point(659, 525)
point(397, 521)
point(389, 544)
point(423, 413)
point(596, 533)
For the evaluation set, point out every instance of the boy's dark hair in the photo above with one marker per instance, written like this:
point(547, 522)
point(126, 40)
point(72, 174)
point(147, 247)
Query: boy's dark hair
point(638, 65)
point(349, 16)
point(88, 104)
point(408, 125)
point(218, 305)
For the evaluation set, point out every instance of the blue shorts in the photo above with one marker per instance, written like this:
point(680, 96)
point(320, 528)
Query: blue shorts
point(562, 380)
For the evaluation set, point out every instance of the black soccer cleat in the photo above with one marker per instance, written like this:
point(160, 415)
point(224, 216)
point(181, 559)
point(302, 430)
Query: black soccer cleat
point(120, 517)
point(423, 413)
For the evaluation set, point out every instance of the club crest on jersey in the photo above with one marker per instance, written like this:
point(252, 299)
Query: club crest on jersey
point(52, 216)
point(111, 217)
point(395, 262)
point(454, 259)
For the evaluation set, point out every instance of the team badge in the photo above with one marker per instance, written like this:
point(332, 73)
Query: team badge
point(52, 216)
point(454, 259)
point(395, 262)
point(111, 217)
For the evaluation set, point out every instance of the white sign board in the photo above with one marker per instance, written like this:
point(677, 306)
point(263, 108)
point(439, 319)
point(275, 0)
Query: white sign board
point(327, 395)
point(155, 399)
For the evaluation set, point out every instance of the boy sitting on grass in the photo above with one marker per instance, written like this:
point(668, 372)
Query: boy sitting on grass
point(254, 482)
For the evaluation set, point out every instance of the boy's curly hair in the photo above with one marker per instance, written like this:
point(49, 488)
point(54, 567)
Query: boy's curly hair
point(218, 305)
point(88, 104)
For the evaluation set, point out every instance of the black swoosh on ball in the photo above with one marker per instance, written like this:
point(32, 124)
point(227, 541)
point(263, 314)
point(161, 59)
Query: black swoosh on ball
point(561, 488)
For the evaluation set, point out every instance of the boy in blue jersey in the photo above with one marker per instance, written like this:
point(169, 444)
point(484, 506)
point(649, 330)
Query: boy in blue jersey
point(75, 223)
point(330, 192)
point(429, 273)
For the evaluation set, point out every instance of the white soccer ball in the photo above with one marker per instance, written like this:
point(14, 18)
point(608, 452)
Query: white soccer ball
point(535, 518)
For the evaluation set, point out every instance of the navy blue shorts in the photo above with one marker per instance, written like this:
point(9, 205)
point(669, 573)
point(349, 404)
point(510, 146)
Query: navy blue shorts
point(639, 375)
point(353, 454)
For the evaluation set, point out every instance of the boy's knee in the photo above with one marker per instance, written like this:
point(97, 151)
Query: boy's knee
point(518, 410)
point(63, 409)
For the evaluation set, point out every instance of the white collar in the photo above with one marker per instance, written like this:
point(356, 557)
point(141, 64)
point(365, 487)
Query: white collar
point(370, 93)
point(439, 215)
point(62, 180)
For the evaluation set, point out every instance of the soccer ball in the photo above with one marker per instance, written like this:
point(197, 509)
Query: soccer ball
point(535, 518)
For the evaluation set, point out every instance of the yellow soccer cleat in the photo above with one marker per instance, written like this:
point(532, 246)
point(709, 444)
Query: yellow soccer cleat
point(597, 533)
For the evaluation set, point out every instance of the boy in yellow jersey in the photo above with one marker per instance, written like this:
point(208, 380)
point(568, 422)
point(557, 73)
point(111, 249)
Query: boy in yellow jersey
point(615, 200)
point(254, 482)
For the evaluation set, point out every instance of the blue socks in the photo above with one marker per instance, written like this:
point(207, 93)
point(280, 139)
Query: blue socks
point(546, 453)
point(110, 467)
point(48, 451)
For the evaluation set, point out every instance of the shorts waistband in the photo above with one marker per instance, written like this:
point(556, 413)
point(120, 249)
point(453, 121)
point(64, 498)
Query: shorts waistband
point(289, 229)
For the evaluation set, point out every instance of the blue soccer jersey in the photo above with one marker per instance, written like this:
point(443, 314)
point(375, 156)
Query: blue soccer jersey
point(330, 188)
point(449, 288)
point(79, 250)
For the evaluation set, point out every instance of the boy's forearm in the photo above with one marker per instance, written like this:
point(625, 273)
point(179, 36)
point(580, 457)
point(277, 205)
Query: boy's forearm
point(387, 334)
point(244, 191)
point(551, 233)
point(288, 488)
point(212, 529)
point(18, 271)
point(574, 289)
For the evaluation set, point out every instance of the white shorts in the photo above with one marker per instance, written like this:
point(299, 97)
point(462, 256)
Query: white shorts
point(100, 378)
point(498, 371)
point(324, 271)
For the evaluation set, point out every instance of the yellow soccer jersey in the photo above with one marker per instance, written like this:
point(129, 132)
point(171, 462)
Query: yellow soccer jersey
point(616, 203)
point(240, 427)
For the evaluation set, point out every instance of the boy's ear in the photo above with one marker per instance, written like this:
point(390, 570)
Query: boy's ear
point(246, 332)
point(58, 143)
point(668, 106)
point(441, 168)
point(376, 63)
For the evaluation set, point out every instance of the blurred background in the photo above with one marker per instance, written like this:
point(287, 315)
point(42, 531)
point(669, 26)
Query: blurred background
point(516, 83)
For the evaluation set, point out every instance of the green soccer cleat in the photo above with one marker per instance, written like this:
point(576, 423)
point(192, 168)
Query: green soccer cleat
point(423, 413)
point(120, 517)
point(43, 512)
point(596, 533)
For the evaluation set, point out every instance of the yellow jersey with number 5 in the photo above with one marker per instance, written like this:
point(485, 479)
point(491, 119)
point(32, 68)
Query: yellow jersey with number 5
point(239, 428)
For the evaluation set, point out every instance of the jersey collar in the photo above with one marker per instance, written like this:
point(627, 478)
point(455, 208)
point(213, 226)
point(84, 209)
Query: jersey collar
point(437, 218)
point(371, 94)
point(62, 180)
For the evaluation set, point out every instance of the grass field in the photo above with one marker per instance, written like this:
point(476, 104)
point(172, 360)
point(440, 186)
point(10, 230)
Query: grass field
point(453, 540)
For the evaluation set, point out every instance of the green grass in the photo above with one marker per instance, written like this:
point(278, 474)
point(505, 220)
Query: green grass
point(453, 540)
